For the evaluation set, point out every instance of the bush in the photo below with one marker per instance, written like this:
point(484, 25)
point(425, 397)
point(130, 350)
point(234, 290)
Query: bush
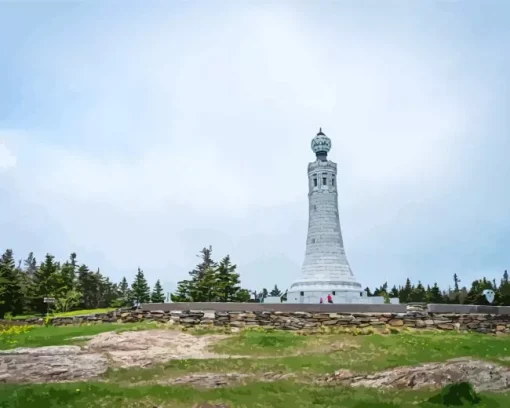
point(456, 395)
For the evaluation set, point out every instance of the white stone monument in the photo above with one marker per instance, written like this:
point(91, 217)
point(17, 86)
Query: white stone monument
point(325, 270)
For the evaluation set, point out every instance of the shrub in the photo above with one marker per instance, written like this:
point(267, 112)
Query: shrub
point(456, 395)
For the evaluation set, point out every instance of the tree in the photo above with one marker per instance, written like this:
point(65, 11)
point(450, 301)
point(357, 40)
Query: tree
point(11, 295)
point(264, 293)
point(504, 290)
point(30, 265)
point(211, 282)
point(157, 295)
point(201, 288)
point(243, 295)
point(394, 292)
point(123, 295)
point(405, 293)
point(68, 272)
point(87, 285)
point(227, 281)
point(475, 295)
point(46, 283)
point(418, 293)
point(434, 295)
point(183, 292)
point(67, 301)
point(140, 289)
point(275, 292)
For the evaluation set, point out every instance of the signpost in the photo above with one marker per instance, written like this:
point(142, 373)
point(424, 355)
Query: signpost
point(48, 301)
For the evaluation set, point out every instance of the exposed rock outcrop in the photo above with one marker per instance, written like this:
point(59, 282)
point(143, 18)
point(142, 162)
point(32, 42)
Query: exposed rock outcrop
point(50, 364)
point(127, 349)
point(483, 375)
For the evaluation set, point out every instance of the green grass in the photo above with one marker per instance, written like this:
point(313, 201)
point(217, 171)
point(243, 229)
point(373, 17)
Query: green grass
point(309, 356)
point(281, 394)
point(277, 351)
point(67, 314)
point(262, 343)
point(40, 336)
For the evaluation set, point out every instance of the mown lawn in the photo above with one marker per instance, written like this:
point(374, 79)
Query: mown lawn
point(271, 351)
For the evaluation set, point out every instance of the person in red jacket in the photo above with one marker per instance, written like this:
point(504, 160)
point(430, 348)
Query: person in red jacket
point(330, 298)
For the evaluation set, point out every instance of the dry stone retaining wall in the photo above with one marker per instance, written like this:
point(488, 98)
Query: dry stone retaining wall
point(482, 323)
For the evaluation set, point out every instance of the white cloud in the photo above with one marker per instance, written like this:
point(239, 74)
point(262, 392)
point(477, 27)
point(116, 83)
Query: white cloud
point(7, 158)
point(166, 127)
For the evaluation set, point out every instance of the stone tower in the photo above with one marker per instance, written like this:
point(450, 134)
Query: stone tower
point(325, 269)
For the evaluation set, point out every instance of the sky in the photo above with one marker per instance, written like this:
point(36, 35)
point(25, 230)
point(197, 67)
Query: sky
point(136, 133)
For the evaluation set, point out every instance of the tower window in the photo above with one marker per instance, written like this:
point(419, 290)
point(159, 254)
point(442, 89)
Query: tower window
point(315, 182)
point(315, 207)
point(313, 240)
point(324, 182)
point(334, 293)
point(301, 293)
point(333, 180)
point(324, 179)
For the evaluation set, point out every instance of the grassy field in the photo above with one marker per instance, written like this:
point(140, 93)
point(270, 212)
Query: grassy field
point(39, 336)
point(66, 314)
point(282, 352)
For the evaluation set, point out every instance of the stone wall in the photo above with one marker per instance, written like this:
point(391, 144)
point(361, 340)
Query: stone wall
point(482, 323)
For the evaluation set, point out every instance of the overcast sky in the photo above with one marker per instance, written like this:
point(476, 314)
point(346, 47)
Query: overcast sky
point(136, 133)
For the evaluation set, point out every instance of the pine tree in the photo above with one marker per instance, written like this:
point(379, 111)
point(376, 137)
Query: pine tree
point(275, 291)
point(45, 283)
point(157, 295)
point(435, 295)
point(87, 287)
point(504, 290)
point(11, 295)
point(105, 292)
point(68, 272)
point(394, 292)
point(418, 293)
point(207, 263)
point(456, 290)
point(382, 291)
point(201, 286)
point(30, 265)
point(227, 281)
point(124, 294)
point(140, 289)
point(264, 293)
point(405, 293)
point(183, 292)
point(26, 275)
point(456, 282)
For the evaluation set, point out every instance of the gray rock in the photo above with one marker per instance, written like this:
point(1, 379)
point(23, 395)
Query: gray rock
point(483, 375)
point(50, 364)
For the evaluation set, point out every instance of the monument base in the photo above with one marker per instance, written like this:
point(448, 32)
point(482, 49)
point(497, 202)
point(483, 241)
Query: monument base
point(338, 297)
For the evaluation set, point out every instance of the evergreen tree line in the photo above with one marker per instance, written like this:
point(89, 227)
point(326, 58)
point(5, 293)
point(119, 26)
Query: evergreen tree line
point(264, 293)
point(454, 295)
point(210, 281)
point(25, 284)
